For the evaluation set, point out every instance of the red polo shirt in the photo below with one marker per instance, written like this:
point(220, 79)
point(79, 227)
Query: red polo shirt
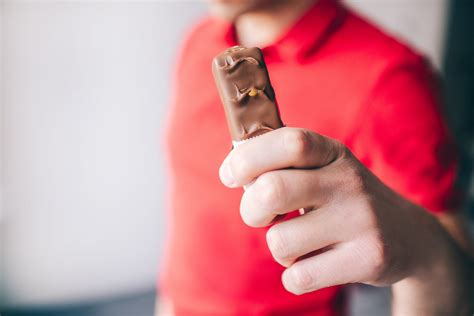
point(333, 73)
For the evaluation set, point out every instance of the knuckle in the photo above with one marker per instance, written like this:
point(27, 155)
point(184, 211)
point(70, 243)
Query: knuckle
point(345, 155)
point(249, 214)
point(270, 191)
point(344, 151)
point(298, 142)
point(357, 180)
point(369, 219)
point(277, 243)
point(365, 213)
point(377, 257)
point(300, 279)
point(354, 178)
point(332, 149)
point(378, 260)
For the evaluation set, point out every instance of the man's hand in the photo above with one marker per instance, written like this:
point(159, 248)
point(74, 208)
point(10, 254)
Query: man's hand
point(355, 229)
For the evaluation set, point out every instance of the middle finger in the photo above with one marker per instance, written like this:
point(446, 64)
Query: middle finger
point(282, 191)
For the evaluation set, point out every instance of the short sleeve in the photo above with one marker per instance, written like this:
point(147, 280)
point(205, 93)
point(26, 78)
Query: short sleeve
point(400, 135)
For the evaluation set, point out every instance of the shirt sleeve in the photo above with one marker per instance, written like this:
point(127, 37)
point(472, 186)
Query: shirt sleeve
point(402, 138)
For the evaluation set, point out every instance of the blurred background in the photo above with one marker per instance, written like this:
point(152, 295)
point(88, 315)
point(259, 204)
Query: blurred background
point(84, 88)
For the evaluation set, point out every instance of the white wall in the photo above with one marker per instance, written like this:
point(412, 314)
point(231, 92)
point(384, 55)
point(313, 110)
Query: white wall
point(85, 90)
point(1, 120)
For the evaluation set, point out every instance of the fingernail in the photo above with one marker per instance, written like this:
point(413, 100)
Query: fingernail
point(226, 175)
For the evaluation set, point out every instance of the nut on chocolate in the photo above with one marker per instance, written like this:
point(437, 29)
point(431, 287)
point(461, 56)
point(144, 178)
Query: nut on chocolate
point(247, 95)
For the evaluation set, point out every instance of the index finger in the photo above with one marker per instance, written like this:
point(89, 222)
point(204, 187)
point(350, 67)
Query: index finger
point(280, 149)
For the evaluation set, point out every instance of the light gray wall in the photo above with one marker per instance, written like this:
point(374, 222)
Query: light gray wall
point(421, 23)
point(85, 93)
point(1, 129)
point(86, 88)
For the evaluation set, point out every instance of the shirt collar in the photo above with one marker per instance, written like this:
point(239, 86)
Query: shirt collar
point(306, 35)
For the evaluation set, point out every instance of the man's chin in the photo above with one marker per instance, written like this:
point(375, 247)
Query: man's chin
point(226, 11)
point(231, 9)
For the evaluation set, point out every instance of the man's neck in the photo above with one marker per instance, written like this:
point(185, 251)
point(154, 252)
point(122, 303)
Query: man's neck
point(262, 27)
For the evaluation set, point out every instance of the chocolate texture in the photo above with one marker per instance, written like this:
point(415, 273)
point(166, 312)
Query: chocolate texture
point(247, 95)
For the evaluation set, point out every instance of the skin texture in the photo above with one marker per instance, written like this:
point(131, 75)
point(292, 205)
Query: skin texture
point(356, 229)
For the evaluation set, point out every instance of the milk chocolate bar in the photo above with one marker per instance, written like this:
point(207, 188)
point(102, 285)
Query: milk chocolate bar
point(244, 86)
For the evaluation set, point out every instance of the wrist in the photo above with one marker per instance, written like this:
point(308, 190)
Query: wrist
point(436, 283)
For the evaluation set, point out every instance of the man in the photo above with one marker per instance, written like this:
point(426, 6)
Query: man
point(378, 184)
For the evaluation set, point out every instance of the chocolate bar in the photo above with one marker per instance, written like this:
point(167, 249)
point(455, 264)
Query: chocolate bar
point(244, 86)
